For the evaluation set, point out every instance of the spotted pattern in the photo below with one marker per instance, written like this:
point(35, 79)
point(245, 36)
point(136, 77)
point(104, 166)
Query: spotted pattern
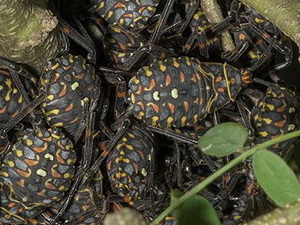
point(13, 210)
point(82, 209)
point(11, 100)
point(120, 44)
point(69, 83)
point(126, 13)
point(181, 91)
point(250, 45)
point(128, 164)
point(196, 131)
point(36, 172)
point(275, 114)
point(200, 24)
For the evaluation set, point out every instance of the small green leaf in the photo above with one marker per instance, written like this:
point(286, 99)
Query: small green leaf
point(195, 211)
point(276, 178)
point(223, 139)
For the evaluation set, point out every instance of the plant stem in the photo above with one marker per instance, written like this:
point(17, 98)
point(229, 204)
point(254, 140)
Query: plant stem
point(222, 170)
point(214, 16)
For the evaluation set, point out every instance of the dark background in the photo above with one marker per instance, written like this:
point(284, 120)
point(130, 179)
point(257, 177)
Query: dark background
point(291, 74)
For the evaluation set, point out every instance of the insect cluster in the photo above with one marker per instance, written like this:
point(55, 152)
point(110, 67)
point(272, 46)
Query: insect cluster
point(114, 121)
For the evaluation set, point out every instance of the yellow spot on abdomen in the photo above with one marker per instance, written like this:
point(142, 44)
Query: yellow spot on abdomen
point(169, 121)
point(174, 93)
point(162, 67)
point(155, 96)
point(41, 172)
point(74, 86)
point(154, 120)
point(263, 134)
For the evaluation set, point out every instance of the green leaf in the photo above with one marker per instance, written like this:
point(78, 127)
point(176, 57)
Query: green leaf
point(276, 178)
point(223, 139)
point(195, 211)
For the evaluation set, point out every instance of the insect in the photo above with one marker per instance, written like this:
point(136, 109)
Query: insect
point(18, 89)
point(63, 95)
point(64, 100)
point(81, 210)
point(199, 27)
point(181, 91)
point(69, 84)
point(135, 15)
point(252, 35)
point(12, 101)
point(85, 202)
point(84, 165)
point(35, 174)
point(124, 48)
point(275, 114)
point(124, 36)
point(42, 135)
point(247, 201)
point(131, 14)
point(66, 87)
point(129, 163)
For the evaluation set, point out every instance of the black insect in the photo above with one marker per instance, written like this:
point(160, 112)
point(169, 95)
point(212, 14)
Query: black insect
point(36, 173)
point(12, 100)
point(200, 27)
point(181, 91)
point(276, 113)
point(69, 92)
point(253, 35)
point(70, 84)
point(130, 164)
point(131, 14)
point(125, 34)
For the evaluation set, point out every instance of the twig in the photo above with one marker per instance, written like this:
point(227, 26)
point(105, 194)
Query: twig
point(214, 15)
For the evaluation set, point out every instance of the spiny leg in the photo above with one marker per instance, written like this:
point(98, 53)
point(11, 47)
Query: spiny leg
point(192, 8)
point(178, 166)
point(233, 14)
point(201, 38)
point(93, 169)
point(121, 90)
point(25, 111)
point(133, 59)
point(76, 36)
point(242, 43)
point(154, 37)
point(171, 134)
point(16, 71)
